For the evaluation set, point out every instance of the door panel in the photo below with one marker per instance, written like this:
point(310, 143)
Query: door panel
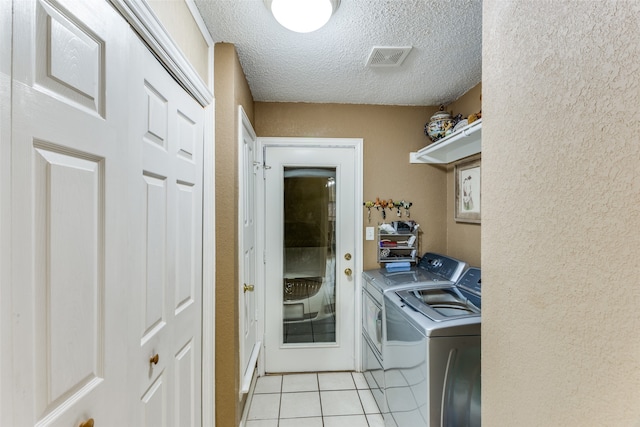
point(185, 275)
point(184, 389)
point(154, 404)
point(69, 282)
point(155, 248)
point(69, 58)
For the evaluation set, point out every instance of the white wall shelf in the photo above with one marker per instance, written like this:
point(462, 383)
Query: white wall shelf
point(461, 143)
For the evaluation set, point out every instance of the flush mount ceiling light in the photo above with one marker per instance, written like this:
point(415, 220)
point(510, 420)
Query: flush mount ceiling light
point(302, 16)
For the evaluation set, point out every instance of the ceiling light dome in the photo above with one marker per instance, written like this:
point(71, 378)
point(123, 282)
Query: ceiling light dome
point(302, 16)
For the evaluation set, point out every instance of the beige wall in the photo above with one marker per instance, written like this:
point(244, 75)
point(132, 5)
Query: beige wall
point(231, 90)
point(463, 239)
point(561, 213)
point(390, 134)
point(179, 22)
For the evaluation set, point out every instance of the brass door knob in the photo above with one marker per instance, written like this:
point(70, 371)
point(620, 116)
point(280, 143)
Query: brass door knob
point(87, 423)
point(348, 272)
point(154, 360)
point(249, 288)
point(347, 256)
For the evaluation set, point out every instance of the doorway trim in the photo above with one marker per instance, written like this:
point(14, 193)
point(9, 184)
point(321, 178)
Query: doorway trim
point(294, 142)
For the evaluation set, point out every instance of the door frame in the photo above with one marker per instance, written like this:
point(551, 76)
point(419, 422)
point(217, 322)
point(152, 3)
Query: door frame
point(295, 142)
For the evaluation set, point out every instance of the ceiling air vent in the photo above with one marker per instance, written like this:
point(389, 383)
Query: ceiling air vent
point(387, 56)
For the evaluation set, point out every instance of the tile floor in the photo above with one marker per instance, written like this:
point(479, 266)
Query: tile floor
point(313, 331)
point(332, 399)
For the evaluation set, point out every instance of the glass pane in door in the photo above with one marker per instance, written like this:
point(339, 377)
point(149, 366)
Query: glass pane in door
point(309, 292)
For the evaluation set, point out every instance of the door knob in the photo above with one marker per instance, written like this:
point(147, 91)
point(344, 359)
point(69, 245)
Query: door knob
point(154, 360)
point(348, 272)
point(249, 288)
point(87, 423)
point(347, 256)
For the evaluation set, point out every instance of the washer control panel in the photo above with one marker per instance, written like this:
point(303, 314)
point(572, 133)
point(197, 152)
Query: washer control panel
point(471, 280)
point(446, 267)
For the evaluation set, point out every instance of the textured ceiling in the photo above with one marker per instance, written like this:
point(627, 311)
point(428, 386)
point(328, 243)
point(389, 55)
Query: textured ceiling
point(329, 65)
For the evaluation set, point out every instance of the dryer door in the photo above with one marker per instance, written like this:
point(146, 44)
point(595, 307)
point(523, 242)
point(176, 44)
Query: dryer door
point(372, 321)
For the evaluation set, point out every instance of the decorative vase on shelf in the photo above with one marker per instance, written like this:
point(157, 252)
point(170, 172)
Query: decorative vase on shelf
point(440, 125)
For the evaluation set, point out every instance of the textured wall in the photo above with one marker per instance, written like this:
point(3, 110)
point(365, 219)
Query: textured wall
point(231, 90)
point(389, 134)
point(561, 213)
point(179, 22)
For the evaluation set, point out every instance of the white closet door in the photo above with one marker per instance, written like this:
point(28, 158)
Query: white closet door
point(166, 128)
point(106, 225)
point(248, 315)
point(69, 247)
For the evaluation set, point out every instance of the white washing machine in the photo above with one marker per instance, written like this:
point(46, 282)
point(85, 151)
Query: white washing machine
point(431, 350)
point(432, 270)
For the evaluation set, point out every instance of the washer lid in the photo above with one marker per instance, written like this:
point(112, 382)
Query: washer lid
point(439, 304)
point(415, 277)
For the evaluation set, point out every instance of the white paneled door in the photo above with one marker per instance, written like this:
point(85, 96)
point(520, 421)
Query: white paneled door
point(249, 342)
point(69, 244)
point(106, 214)
point(312, 192)
point(167, 131)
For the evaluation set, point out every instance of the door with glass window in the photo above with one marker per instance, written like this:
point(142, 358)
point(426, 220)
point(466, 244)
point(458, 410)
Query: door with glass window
point(310, 228)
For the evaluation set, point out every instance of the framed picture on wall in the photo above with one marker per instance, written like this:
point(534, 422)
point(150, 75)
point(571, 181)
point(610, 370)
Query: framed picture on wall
point(467, 176)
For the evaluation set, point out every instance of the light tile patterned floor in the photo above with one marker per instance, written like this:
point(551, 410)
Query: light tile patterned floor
point(331, 399)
